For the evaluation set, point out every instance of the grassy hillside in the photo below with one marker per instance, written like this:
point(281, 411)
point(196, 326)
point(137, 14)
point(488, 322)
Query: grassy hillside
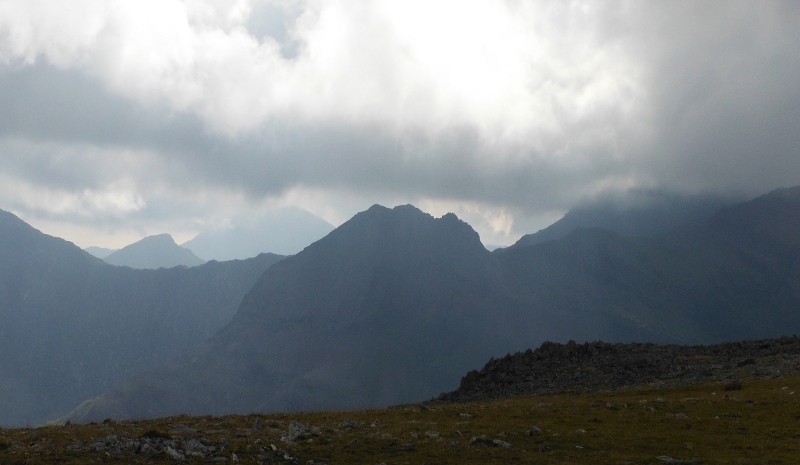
point(752, 422)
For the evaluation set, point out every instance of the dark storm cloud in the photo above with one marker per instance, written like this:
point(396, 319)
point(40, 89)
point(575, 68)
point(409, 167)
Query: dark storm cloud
point(686, 96)
point(720, 109)
point(723, 94)
point(46, 103)
point(73, 115)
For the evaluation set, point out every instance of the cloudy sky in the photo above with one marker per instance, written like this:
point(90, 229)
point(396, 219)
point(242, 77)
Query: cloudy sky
point(120, 119)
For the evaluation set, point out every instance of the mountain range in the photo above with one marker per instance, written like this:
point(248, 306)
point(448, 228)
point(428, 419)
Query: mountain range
point(282, 231)
point(395, 306)
point(73, 326)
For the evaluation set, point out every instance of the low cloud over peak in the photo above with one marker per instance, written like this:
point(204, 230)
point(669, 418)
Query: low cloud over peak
point(504, 111)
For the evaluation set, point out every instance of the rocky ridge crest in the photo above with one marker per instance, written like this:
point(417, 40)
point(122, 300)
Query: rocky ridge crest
point(599, 366)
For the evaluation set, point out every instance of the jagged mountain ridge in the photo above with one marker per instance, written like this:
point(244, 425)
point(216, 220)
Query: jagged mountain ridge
point(395, 303)
point(152, 252)
point(329, 326)
point(72, 326)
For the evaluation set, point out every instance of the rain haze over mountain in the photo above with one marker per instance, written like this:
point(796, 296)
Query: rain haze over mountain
point(120, 120)
point(284, 231)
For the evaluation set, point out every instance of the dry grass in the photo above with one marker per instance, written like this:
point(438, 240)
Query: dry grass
point(691, 424)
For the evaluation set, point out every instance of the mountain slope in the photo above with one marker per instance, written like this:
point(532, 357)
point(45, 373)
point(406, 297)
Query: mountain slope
point(158, 251)
point(734, 276)
point(72, 326)
point(393, 305)
point(637, 213)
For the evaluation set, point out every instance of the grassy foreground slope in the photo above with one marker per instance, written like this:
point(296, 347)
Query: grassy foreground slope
point(755, 422)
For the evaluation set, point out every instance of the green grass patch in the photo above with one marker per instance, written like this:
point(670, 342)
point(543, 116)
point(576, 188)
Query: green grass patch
point(758, 423)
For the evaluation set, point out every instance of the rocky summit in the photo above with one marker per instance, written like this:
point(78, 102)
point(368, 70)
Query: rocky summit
point(598, 366)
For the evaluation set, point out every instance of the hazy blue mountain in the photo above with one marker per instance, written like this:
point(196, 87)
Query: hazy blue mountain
point(72, 326)
point(638, 212)
point(99, 252)
point(395, 306)
point(284, 231)
point(159, 251)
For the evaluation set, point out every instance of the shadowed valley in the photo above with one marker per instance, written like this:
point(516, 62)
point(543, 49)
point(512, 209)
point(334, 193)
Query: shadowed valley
point(73, 326)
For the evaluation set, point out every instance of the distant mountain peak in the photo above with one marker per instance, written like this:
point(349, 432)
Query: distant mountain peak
point(157, 251)
point(99, 252)
point(405, 212)
point(284, 231)
point(161, 239)
point(405, 222)
point(377, 210)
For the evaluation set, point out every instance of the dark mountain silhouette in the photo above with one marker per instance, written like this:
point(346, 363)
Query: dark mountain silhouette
point(730, 277)
point(284, 231)
point(72, 326)
point(99, 252)
point(394, 306)
point(159, 251)
point(639, 212)
point(380, 310)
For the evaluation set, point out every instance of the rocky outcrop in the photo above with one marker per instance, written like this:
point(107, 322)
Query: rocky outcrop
point(182, 442)
point(598, 366)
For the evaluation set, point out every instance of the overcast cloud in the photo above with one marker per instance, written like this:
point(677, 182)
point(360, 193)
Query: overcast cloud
point(119, 119)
